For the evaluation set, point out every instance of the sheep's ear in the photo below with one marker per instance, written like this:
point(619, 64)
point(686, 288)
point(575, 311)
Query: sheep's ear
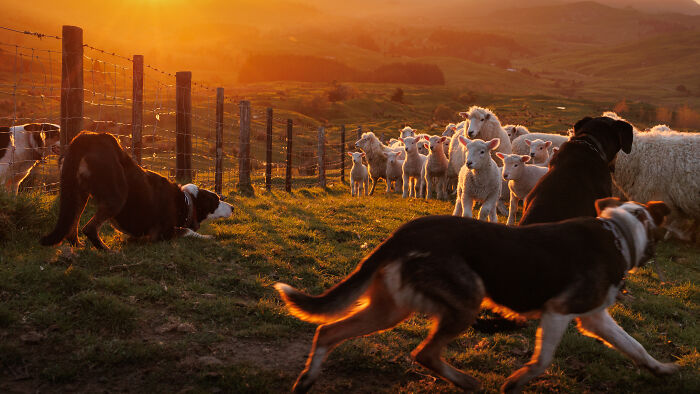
point(548, 144)
point(463, 140)
point(443, 139)
point(604, 203)
point(426, 138)
point(487, 117)
point(555, 149)
point(658, 210)
point(350, 154)
point(363, 154)
point(524, 158)
point(500, 155)
point(464, 114)
point(625, 134)
point(528, 142)
point(580, 123)
point(493, 144)
point(401, 139)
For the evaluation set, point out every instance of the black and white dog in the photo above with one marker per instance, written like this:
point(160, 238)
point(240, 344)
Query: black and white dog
point(138, 202)
point(22, 147)
point(574, 272)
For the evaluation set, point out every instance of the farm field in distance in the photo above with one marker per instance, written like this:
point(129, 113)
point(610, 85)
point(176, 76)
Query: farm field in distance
point(201, 315)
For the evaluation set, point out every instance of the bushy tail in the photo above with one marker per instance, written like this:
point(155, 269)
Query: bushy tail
point(69, 201)
point(336, 302)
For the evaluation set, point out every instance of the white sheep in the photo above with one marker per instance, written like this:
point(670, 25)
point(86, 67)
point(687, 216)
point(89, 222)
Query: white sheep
point(407, 132)
point(539, 151)
point(436, 168)
point(660, 128)
point(514, 131)
point(450, 130)
point(456, 154)
point(521, 178)
point(520, 145)
point(394, 171)
point(413, 168)
point(664, 166)
point(375, 152)
point(484, 124)
point(359, 176)
point(479, 180)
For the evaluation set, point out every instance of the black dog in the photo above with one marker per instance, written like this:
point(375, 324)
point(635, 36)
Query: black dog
point(579, 173)
point(139, 202)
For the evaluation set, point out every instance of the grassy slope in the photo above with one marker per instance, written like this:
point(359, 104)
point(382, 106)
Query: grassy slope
point(146, 315)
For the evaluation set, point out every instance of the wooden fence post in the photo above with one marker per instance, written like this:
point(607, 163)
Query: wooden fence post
point(71, 85)
point(137, 108)
point(218, 174)
point(268, 155)
point(321, 156)
point(244, 184)
point(288, 176)
point(342, 153)
point(183, 126)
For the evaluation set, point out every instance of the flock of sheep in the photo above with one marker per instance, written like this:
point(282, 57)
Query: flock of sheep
point(480, 160)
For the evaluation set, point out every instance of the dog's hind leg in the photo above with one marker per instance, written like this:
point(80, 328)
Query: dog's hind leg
point(382, 313)
point(602, 326)
point(446, 328)
point(549, 334)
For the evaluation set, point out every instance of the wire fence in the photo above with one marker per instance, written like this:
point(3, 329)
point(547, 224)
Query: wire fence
point(31, 78)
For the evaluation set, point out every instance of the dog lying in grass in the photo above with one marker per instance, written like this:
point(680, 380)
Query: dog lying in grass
point(575, 271)
point(139, 202)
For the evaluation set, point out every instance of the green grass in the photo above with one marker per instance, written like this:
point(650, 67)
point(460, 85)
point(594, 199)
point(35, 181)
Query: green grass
point(145, 316)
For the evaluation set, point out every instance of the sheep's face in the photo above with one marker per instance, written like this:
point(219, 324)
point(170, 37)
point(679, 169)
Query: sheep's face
point(410, 144)
point(392, 157)
point(513, 165)
point(478, 152)
point(356, 157)
point(539, 149)
point(407, 132)
point(437, 143)
point(477, 119)
point(422, 146)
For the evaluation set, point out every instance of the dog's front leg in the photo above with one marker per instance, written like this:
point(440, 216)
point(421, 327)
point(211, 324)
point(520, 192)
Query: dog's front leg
point(549, 333)
point(602, 325)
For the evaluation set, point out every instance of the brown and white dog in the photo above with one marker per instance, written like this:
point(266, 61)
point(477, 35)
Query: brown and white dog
point(139, 202)
point(22, 147)
point(574, 272)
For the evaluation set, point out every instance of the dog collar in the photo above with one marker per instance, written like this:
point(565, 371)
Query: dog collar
point(189, 207)
point(619, 233)
point(594, 144)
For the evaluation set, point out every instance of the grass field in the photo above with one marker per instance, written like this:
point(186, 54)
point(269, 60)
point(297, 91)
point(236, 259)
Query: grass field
point(201, 316)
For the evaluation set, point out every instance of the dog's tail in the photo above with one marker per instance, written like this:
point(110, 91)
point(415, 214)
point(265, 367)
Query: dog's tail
point(69, 200)
point(341, 300)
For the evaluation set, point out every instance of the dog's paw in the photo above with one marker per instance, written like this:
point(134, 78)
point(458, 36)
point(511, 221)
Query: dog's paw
point(663, 369)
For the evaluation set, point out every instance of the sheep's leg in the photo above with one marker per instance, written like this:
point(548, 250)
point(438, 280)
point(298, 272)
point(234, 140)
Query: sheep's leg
point(549, 333)
point(406, 184)
point(352, 188)
point(442, 188)
point(412, 187)
point(467, 205)
point(458, 203)
point(429, 186)
point(374, 184)
point(365, 186)
point(488, 209)
point(602, 325)
point(512, 211)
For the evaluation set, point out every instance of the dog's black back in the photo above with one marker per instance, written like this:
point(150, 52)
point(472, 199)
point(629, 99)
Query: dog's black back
point(579, 172)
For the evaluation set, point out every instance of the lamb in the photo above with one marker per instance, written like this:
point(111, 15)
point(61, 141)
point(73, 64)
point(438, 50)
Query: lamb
point(521, 179)
point(515, 131)
point(359, 176)
point(664, 166)
point(407, 132)
point(522, 147)
point(394, 171)
point(376, 156)
point(479, 180)
point(539, 151)
point(413, 168)
point(436, 168)
point(423, 144)
point(456, 156)
point(484, 124)
point(450, 130)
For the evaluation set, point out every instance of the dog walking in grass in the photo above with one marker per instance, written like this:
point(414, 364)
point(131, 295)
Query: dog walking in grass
point(447, 267)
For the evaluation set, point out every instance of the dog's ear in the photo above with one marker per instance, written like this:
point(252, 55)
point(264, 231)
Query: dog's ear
point(580, 123)
point(604, 203)
point(625, 134)
point(658, 210)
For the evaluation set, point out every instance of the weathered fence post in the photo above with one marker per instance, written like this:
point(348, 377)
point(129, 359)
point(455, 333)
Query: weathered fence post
point(342, 153)
point(183, 126)
point(321, 156)
point(219, 171)
point(137, 108)
point(268, 153)
point(359, 132)
point(288, 175)
point(244, 185)
point(71, 85)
